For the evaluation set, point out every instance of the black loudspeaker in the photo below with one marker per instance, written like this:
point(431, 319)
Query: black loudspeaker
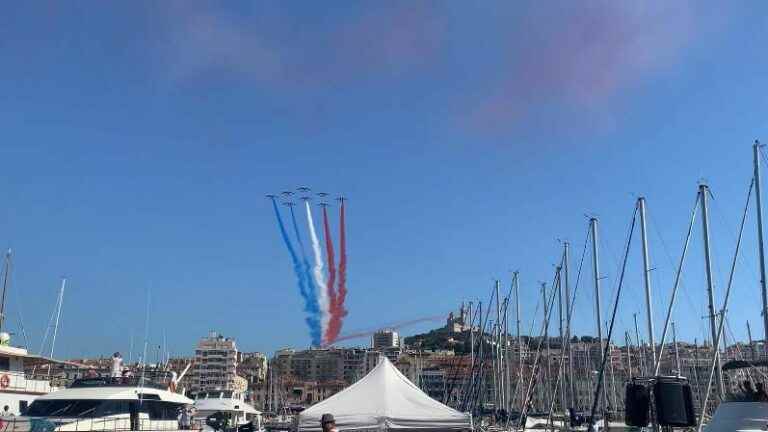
point(638, 401)
point(674, 404)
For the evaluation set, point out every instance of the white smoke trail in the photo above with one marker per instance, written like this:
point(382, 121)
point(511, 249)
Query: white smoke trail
point(322, 287)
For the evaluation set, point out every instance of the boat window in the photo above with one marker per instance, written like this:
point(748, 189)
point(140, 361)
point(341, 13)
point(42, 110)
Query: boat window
point(77, 408)
point(5, 363)
point(227, 395)
point(161, 410)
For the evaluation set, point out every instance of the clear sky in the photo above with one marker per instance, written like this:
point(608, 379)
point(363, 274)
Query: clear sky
point(138, 140)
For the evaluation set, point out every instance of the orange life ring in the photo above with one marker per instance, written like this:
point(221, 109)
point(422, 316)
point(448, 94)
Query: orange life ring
point(5, 381)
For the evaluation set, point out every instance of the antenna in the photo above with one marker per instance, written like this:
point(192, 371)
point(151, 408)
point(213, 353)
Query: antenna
point(6, 278)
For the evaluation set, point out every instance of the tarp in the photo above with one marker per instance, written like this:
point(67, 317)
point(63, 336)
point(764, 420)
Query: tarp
point(384, 399)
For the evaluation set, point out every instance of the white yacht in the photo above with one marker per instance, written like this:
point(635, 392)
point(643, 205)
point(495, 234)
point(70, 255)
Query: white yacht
point(232, 406)
point(22, 379)
point(102, 404)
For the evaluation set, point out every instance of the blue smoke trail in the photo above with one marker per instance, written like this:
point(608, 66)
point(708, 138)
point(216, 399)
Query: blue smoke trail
point(310, 294)
point(312, 321)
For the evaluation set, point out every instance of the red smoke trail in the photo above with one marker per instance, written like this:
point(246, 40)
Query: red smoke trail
point(339, 312)
point(333, 310)
point(394, 326)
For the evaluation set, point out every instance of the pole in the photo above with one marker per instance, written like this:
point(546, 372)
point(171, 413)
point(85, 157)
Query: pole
point(596, 271)
point(6, 278)
point(703, 191)
point(677, 352)
point(641, 347)
point(566, 257)
point(560, 374)
point(471, 335)
point(759, 206)
point(629, 353)
point(751, 343)
point(58, 314)
point(647, 277)
point(546, 342)
point(519, 341)
point(499, 359)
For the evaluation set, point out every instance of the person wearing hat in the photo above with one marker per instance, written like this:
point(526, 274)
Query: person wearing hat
point(328, 423)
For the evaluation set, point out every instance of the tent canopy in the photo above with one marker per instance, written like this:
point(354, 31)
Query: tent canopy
point(384, 399)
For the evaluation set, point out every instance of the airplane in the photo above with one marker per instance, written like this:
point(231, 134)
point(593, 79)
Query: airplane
point(303, 189)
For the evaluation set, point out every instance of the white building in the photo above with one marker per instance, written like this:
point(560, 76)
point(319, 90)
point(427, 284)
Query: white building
point(385, 339)
point(216, 365)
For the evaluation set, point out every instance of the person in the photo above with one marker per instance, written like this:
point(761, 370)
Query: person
point(185, 419)
point(328, 423)
point(6, 412)
point(760, 394)
point(117, 365)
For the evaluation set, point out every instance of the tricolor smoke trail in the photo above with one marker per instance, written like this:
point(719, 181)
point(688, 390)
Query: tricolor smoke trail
point(310, 293)
point(311, 320)
point(322, 293)
point(394, 326)
point(338, 312)
point(331, 272)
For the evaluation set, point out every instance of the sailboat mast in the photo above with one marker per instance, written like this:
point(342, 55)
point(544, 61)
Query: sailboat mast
point(703, 191)
point(519, 342)
point(58, 314)
point(761, 250)
point(677, 353)
point(596, 271)
point(647, 278)
point(499, 369)
point(570, 399)
point(546, 344)
point(6, 279)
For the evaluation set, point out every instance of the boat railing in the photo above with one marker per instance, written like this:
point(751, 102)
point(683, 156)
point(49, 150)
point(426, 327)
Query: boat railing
point(107, 424)
point(26, 382)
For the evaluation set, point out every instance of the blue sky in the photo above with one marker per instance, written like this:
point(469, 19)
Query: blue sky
point(139, 140)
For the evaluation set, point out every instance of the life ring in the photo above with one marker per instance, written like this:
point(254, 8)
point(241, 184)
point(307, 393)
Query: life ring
point(5, 381)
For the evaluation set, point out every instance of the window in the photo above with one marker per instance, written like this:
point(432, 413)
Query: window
point(5, 363)
point(160, 410)
point(83, 408)
point(23, 405)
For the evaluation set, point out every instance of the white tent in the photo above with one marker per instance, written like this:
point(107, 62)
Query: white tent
point(384, 399)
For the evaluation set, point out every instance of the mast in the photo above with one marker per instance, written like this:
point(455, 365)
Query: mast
point(560, 374)
point(471, 335)
point(647, 278)
point(751, 343)
point(566, 252)
point(703, 191)
point(628, 343)
point(499, 360)
point(677, 353)
point(519, 341)
point(641, 347)
point(761, 250)
point(6, 279)
point(58, 314)
point(596, 271)
point(546, 343)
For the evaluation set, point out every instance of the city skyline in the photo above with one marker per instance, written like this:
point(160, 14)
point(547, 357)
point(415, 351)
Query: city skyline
point(139, 143)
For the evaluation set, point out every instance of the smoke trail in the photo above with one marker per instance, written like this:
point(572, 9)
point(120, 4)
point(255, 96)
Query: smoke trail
point(339, 311)
point(322, 294)
point(309, 294)
point(300, 274)
point(331, 275)
point(394, 326)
